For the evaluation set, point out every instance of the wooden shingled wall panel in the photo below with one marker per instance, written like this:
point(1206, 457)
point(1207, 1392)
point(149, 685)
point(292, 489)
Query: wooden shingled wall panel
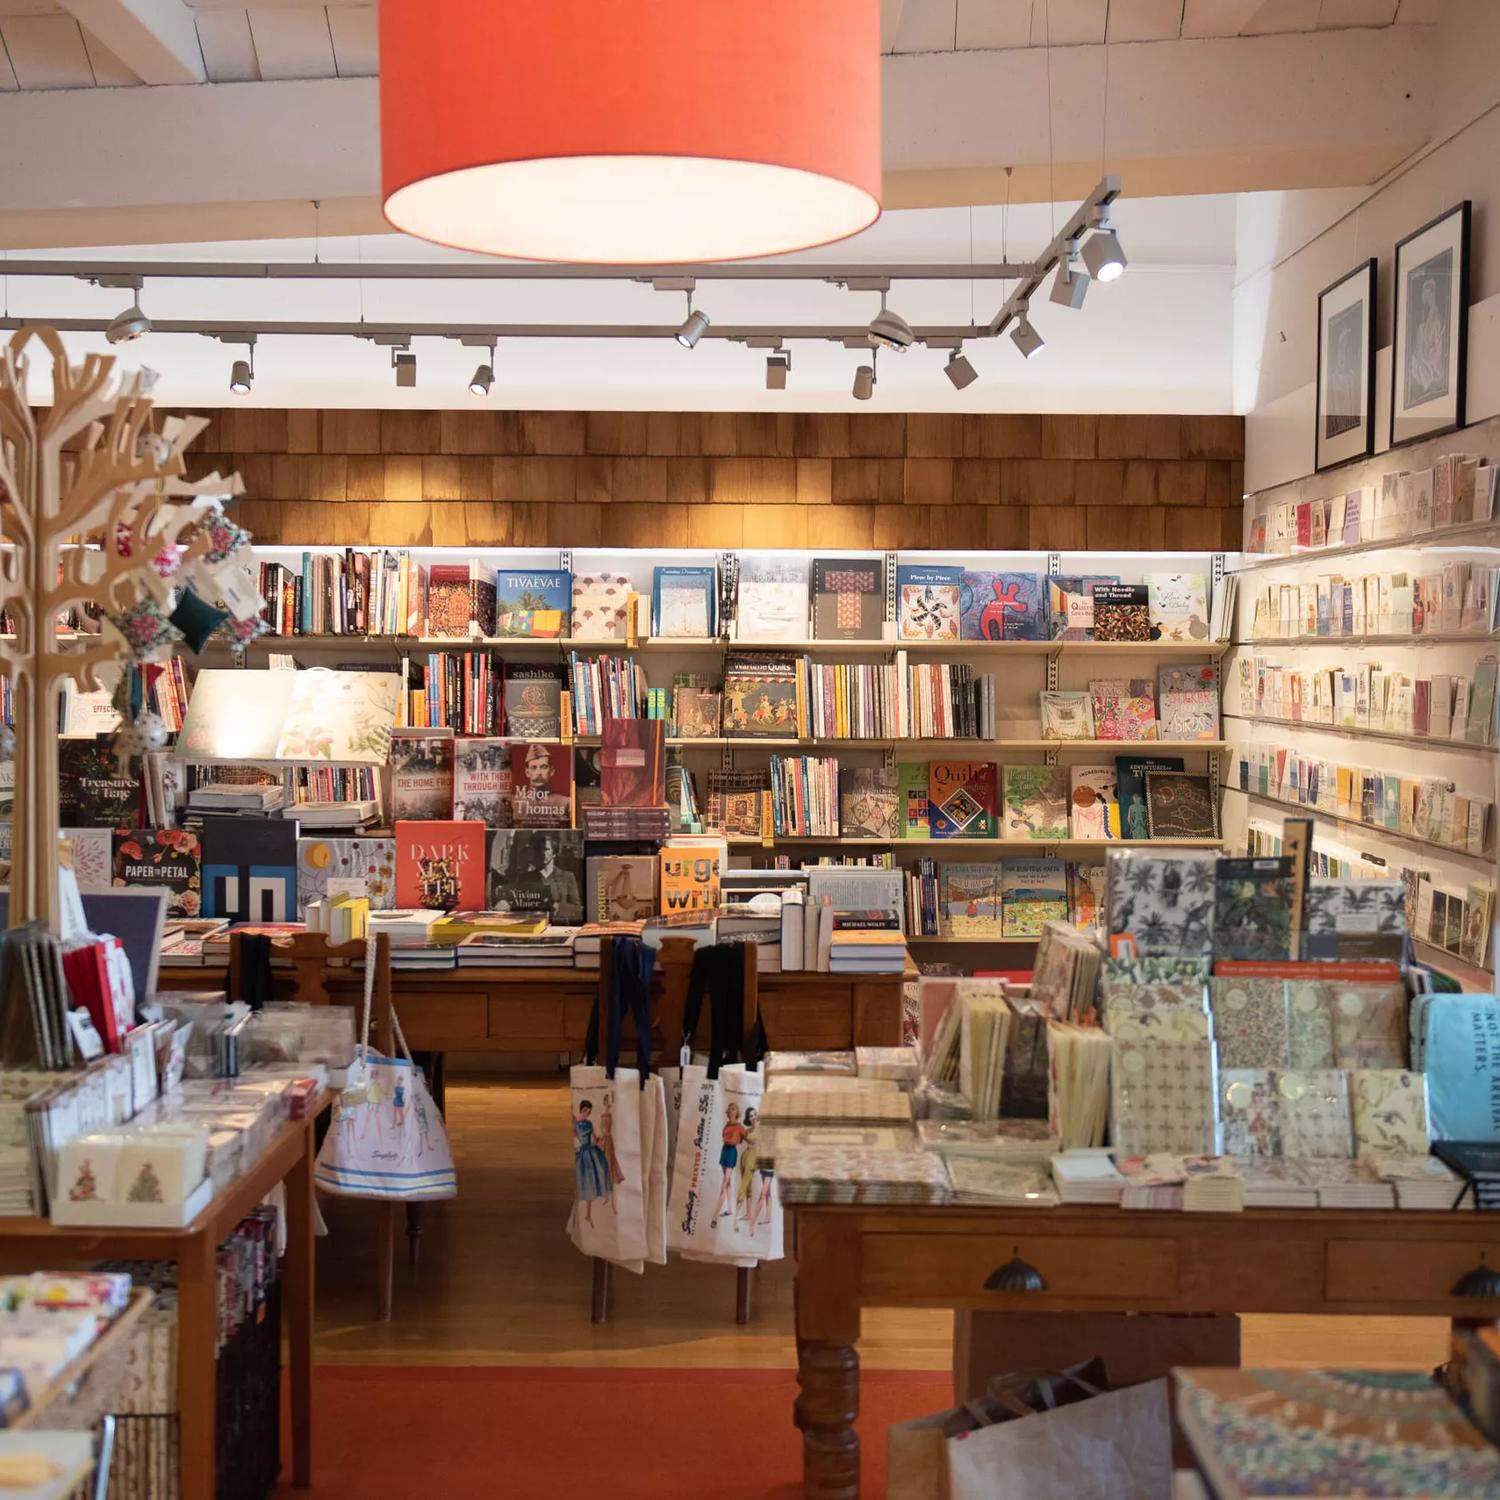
point(732, 479)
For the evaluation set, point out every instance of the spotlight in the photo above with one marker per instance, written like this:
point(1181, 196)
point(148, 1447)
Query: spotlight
point(1024, 336)
point(1070, 286)
point(694, 326)
point(481, 381)
point(405, 365)
point(959, 370)
point(1103, 255)
point(241, 377)
point(889, 330)
point(864, 382)
point(132, 324)
point(777, 366)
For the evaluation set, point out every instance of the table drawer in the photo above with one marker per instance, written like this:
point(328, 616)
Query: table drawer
point(441, 1017)
point(938, 1266)
point(1408, 1271)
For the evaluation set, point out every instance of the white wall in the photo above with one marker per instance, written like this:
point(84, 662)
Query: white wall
point(1292, 245)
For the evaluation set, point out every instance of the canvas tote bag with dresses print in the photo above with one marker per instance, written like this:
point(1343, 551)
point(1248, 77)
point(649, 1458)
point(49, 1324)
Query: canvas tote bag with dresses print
point(610, 1125)
point(387, 1139)
point(723, 1205)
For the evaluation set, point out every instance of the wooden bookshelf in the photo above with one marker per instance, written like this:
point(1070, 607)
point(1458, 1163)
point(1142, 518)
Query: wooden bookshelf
point(1041, 848)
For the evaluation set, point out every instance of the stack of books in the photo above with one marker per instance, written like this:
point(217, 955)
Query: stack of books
point(552, 949)
point(361, 814)
point(592, 936)
point(234, 796)
point(1087, 1177)
point(619, 824)
point(855, 951)
point(977, 1180)
point(1276, 1182)
point(455, 926)
point(1019, 1143)
point(835, 1176)
point(1478, 1162)
point(1421, 1182)
point(1212, 1184)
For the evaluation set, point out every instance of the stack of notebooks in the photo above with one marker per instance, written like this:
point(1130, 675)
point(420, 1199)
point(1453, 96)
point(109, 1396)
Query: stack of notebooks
point(615, 824)
point(552, 949)
point(829, 1064)
point(1272, 1182)
point(856, 951)
point(898, 1064)
point(782, 1104)
point(1017, 1143)
point(1212, 1184)
point(1087, 1177)
point(1419, 1181)
point(410, 925)
point(1346, 1184)
point(362, 814)
point(34, 1029)
point(835, 1176)
point(976, 1180)
point(774, 1141)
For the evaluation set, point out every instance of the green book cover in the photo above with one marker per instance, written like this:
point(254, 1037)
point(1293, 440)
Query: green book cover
point(911, 806)
point(1481, 702)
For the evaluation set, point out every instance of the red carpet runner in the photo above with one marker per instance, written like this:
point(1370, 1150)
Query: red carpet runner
point(561, 1434)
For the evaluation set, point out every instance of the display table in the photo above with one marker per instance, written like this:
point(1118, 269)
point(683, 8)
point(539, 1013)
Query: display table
point(1101, 1260)
point(547, 1010)
point(36, 1244)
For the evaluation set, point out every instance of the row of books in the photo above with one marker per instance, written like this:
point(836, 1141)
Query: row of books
point(1183, 704)
point(1012, 898)
point(1424, 807)
point(1460, 598)
point(1456, 491)
point(1376, 698)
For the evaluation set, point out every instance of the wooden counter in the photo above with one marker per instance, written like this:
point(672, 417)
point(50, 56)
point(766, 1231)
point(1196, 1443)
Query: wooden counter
point(1102, 1260)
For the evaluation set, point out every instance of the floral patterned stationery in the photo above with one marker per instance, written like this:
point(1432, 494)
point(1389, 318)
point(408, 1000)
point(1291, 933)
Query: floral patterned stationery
point(1162, 1098)
point(1253, 908)
point(1310, 1025)
point(1369, 1025)
point(1168, 1022)
point(1251, 1022)
point(1390, 1111)
point(1315, 1115)
point(1249, 1112)
point(1124, 708)
point(1164, 902)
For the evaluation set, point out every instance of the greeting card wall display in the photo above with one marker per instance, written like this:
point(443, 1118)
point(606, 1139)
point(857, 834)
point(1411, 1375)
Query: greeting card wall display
point(1345, 426)
point(1431, 346)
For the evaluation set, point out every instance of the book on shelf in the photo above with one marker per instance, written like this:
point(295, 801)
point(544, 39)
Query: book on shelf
point(912, 784)
point(605, 688)
point(970, 899)
point(739, 802)
point(1094, 803)
point(1070, 605)
point(684, 602)
point(483, 785)
point(1067, 715)
point(448, 611)
point(1130, 780)
point(804, 796)
point(1122, 612)
point(695, 712)
point(760, 696)
point(169, 859)
point(532, 602)
point(868, 802)
point(848, 598)
point(95, 789)
point(541, 781)
point(1188, 702)
point(421, 774)
point(440, 864)
point(1033, 892)
point(536, 869)
point(1124, 708)
point(249, 867)
point(1181, 804)
point(1002, 606)
point(689, 880)
point(962, 799)
point(1086, 895)
point(602, 604)
point(1036, 802)
point(533, 701)
point(632, 763)
point(928, 602)
point(363, 867)
point(772, 598)
point(621, 887)
point(1178, 606)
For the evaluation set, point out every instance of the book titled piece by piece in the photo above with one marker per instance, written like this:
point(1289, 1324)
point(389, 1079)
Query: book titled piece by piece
point(536, 869)
point(961, 799)
point(927, 601)
point(533, 601)
point(541, 777)
point(848, 598)
point(482, 781)
point(1036, 802)
point(1002, 607)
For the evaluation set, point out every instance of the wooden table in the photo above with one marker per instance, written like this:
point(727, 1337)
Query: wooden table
point(36, 1244)
point(547, 1010)
point(1101, 1260)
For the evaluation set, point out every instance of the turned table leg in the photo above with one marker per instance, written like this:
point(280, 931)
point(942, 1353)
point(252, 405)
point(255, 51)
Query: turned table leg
point(828, 1403)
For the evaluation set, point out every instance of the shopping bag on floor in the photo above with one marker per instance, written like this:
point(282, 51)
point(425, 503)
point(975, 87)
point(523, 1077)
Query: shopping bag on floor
point(723, 1204)
point(610, 1192)
point(386, 1139)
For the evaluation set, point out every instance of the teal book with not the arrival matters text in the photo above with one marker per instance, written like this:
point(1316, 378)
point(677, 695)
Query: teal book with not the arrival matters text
point(1461, 1052)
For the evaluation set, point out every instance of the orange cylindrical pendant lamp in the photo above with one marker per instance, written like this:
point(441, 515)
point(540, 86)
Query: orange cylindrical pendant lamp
point(630, 131)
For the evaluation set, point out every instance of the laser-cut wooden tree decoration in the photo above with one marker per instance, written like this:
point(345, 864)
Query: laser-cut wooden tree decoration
point(91, 467)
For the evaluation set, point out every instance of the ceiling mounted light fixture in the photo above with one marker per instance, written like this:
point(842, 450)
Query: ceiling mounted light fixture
point(864, 379)
point(1102, 254)
point(1024, 336)
point(242, 376)
point(778, 365)
point(745, 130)
point(694, 326)
point(958, 369)
point(484, 376)
point(1070, 286)
point(889, 330)
point(130, 325)
point(404, 363)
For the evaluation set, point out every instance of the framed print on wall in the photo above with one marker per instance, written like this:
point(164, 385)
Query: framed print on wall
point(1429, 353)
point(1346, 369)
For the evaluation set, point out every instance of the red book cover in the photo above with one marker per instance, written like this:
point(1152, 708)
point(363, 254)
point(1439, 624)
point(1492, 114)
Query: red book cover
point(632, 764)
point(1342, 973)
point(440, 864)
point(448, 600)
point(86, 972)
point(1304, 524)
point(541, 778)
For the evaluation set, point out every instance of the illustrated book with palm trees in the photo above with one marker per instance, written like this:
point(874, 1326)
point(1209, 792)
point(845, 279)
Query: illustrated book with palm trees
point(533, 601)
point(1162, 903)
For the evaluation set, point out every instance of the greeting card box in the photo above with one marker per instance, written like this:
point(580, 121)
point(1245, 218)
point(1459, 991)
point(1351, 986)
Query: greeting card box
point(100, 1215)
point(440, 865)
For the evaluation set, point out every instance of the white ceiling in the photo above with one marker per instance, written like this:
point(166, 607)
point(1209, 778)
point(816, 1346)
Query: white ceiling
point(1157, 339)
point(45, 46)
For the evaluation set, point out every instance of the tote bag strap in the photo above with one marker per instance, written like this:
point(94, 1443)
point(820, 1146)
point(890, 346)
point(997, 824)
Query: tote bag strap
point(635, 962)
point(367, 1002)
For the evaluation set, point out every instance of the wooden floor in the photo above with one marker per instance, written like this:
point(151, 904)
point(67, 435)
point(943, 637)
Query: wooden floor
point(499, 1283)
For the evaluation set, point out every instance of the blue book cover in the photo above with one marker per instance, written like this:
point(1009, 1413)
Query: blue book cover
point(927, 603)
point(682, 602)
point(533, 601)
point(1070, 605)
point(1002, 607)
point(1461, 1052)
point(1130, 784)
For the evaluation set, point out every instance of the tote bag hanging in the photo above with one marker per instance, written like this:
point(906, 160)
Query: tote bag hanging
point(723, 1204)
point(610, 1191)
point(387, 1139)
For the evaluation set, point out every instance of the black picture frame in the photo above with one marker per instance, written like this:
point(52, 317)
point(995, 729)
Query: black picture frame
point(1356, 439)
point(1445, 240)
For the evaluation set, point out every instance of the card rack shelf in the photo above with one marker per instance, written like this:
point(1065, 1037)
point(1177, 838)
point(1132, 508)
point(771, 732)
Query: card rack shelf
point(1419, 741)
point(1479, 533)
point(1306, 809)
point(1434, 638)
